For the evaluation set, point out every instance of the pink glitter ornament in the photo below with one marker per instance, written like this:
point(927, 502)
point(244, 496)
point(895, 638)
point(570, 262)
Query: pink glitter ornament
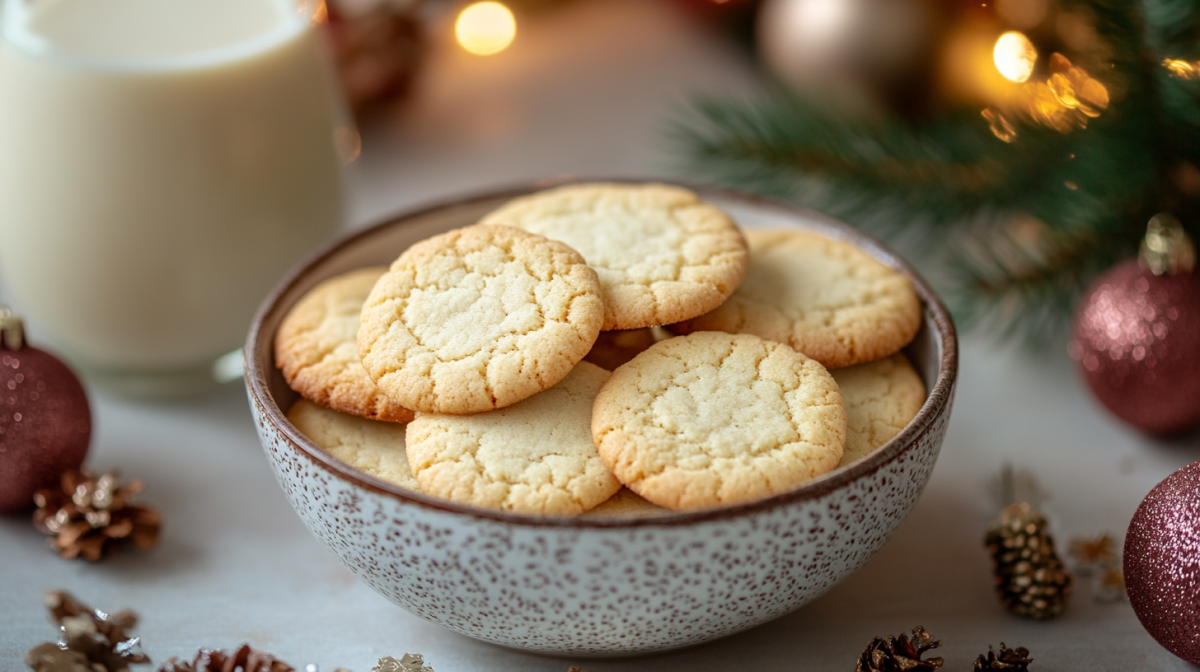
point(45, 422)
point(1162, 563)
point(1137, 334)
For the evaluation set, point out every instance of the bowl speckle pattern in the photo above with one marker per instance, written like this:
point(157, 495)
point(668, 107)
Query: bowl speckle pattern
point(603, 590)
point(596, 586)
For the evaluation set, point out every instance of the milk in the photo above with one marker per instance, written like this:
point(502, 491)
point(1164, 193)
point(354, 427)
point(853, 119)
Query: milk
point(163, 163)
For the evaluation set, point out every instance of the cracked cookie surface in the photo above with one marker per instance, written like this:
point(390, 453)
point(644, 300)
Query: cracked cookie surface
point(478, 318)
point(711, 419)
point(662, 254)
point(316, 349)
point(824, 297)
point(881, 397)
point(374, 447)
point(533, 457)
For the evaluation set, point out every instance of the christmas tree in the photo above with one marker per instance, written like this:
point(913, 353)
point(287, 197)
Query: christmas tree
point(1024, 199)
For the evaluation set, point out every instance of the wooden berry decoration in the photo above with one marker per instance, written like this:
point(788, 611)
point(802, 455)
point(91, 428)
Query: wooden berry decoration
point(45, 422)
point(1161, 562)
point(1136, 333)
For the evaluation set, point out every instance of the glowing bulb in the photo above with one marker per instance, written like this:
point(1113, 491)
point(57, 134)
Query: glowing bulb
point(1014, 56)
point(485, 28)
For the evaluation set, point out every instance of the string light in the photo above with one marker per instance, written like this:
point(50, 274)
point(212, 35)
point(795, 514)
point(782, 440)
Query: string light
point(485, 28)
point(1001, 127)
point(1014, 56)
point(1064, 101)
point(1182, 69)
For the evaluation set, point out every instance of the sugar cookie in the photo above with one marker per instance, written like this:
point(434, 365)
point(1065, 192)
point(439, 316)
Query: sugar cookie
point(614, 348)
point(713, 418)
point(624, 505)
point(881, 398)
point(661, 253)
point(478, 318)
point(374, 447)
point(824, 297)
point(533, 457)
point(316, 349)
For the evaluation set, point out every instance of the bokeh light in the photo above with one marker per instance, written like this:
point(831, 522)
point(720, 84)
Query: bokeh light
point(1182, 69)
point(1014, 56)
point(485, 28)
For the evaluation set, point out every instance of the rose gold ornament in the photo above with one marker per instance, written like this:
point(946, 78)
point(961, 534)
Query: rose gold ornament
point(45, 422)
point(1162, 563)
point(1137, 334)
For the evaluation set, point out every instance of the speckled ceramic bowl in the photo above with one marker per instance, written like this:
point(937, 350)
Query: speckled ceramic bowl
point(596, 587)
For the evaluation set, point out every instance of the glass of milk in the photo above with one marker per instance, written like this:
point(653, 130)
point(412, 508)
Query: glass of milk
point(162, 164)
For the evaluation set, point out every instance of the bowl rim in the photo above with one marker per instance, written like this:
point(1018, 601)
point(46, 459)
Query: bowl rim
point(256, 373)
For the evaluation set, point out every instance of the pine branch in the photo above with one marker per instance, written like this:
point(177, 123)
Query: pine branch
point(783, 131)
point(1172, 29)
point(935, 177)
point(952, 182)
point(1180, 100)
point(787, 147)
point(1010, 286)
point(1122, 26)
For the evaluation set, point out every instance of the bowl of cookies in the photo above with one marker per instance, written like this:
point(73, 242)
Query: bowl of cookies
point(602, 418)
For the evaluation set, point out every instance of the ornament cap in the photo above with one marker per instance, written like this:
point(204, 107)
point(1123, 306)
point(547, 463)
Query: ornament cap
point(1166, 249)
point(12, 330)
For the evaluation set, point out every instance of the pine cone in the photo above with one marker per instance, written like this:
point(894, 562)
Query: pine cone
point(1030, 578)
point(409, 662)
point(88, 516)
point(244, 658)
point(899, 654)
point(91, 640)
point(1009, 660)
point(377, 48)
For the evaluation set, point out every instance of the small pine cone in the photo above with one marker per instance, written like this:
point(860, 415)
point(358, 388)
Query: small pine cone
point(409, 662)
point(1008, 660)
point(91, 640)
point(899, 654)
point(244, 659)
point(1030, 577)
point(88, 516)
point(377, 46)
point(47, 657)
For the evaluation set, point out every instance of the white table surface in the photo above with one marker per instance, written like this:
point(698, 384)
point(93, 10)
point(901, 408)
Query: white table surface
point(236, 565)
